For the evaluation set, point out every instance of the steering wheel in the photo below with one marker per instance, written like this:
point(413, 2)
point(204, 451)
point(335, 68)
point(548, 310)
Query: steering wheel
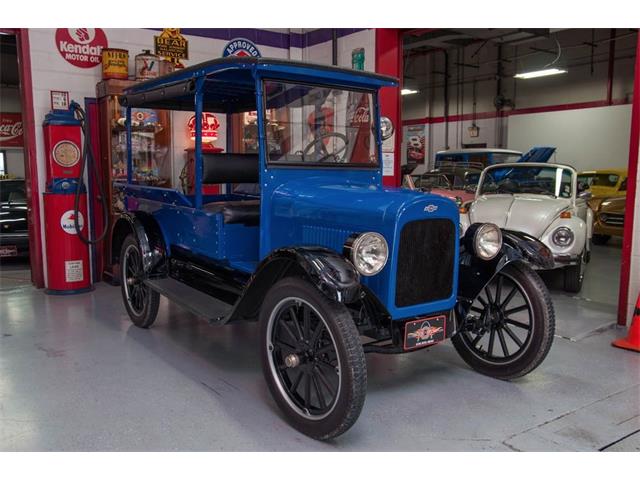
point(320, 139)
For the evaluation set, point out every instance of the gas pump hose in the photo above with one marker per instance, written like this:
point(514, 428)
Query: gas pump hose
point(87, 159)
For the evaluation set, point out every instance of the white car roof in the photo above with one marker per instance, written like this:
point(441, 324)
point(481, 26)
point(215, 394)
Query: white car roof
point(530, 164)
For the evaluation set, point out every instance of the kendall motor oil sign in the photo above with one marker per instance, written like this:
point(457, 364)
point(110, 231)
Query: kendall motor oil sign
point(81, 47)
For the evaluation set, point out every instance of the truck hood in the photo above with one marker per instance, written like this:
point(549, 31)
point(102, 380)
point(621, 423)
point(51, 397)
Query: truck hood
point(325, 206)
point(531, 214)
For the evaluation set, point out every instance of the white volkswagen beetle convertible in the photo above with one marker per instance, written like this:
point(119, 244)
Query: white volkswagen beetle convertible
point(542, 200)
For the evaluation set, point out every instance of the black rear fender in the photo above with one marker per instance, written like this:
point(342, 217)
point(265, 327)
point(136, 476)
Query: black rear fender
point(149, 236)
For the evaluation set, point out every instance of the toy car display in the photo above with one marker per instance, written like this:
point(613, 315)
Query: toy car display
point(311, 246)
point(609, 220)
point(540, 200)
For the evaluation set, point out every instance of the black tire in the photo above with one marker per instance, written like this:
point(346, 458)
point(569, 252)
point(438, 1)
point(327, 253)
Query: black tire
point(574, 276)
point(599, 239)
point(141, 302)
point(291, 366)
point(535, 344)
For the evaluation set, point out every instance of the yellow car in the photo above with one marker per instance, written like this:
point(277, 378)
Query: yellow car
point(603, 184)
point(608, 220)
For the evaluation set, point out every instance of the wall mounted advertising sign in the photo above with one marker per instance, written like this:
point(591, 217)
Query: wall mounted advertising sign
point(240, 47)
point(11, 130)
point(415, 143)
point(171, 45)
point(81, 47)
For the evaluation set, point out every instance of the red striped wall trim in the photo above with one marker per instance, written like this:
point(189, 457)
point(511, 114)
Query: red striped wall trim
point(519, 111)
point(627, 239)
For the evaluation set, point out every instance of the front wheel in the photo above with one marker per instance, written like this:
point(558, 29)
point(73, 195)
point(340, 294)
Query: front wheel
point(509, 329)
point(312, 359)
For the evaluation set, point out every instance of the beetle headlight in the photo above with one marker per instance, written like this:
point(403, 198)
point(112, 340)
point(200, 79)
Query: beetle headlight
point(562, 237)
point(487, 241)
point(368, 252)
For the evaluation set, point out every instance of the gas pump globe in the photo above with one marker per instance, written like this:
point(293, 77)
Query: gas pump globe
point(210, 126)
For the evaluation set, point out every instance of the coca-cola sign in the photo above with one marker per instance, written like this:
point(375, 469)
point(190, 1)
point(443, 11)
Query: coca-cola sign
point(81, 47)
point(361, 115)
point(11, 130)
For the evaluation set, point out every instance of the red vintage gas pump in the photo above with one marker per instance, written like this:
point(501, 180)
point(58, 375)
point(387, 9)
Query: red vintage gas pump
point(65, 203)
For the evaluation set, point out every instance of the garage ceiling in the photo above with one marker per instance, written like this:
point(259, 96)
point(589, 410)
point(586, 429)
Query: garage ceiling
point(446, 38)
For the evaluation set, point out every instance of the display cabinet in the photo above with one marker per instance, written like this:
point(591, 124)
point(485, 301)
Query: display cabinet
point(151, 147)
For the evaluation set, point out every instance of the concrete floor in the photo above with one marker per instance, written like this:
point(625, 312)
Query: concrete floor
point(76, 375)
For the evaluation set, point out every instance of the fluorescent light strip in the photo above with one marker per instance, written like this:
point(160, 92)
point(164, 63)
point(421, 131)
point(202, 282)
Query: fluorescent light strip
point(407, 91)
point(539, 73)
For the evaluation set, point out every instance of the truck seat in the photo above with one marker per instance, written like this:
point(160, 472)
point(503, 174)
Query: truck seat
point(233, 168)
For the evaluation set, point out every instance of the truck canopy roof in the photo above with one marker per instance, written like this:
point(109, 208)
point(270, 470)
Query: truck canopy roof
point(229, 83)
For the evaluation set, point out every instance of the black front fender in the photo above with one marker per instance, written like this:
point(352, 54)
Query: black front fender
point(475, 273)
point(326, 269)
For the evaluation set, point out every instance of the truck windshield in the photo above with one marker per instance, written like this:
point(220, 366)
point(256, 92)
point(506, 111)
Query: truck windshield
point(319, 125)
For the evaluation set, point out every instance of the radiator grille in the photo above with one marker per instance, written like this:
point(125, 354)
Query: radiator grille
point(615, 219)
point(425, 262)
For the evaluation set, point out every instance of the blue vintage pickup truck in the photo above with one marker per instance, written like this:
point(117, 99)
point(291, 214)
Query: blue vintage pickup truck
point(308, 243)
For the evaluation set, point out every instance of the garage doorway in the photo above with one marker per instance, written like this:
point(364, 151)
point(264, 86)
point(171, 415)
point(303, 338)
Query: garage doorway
point(19, 203)
point(516, 89)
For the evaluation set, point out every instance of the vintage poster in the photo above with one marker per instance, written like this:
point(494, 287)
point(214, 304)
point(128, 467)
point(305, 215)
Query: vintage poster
point(415, 140)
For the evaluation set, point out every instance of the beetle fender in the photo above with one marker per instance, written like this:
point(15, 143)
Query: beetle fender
point(149, 236)
point(327, 270)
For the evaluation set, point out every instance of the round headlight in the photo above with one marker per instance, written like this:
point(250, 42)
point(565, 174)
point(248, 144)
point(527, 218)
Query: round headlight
point(369, 253)
point(487, 241)
point(562, 237)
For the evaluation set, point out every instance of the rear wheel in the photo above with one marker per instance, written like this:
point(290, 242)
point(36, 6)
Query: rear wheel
point(312, 359)
point(140, 301)
point(510, 326)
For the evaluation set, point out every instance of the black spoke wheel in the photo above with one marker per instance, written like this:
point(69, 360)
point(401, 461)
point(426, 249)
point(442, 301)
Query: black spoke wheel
point(312, 357)
point(509, 329)
point(140, 301)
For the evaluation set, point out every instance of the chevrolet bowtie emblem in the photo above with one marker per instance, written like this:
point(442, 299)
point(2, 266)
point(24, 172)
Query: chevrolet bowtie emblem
point(430, 208)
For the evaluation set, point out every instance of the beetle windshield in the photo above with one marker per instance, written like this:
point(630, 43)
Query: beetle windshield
point(551, 180)
point(319, 125)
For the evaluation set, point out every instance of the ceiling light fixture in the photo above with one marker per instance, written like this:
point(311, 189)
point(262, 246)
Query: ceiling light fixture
point(408, 91)
point(540, 73)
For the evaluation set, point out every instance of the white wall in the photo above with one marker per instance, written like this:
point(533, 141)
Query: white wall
point(321, 52)
point(587, 139)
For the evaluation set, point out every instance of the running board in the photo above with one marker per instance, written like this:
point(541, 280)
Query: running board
point(214, 310)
